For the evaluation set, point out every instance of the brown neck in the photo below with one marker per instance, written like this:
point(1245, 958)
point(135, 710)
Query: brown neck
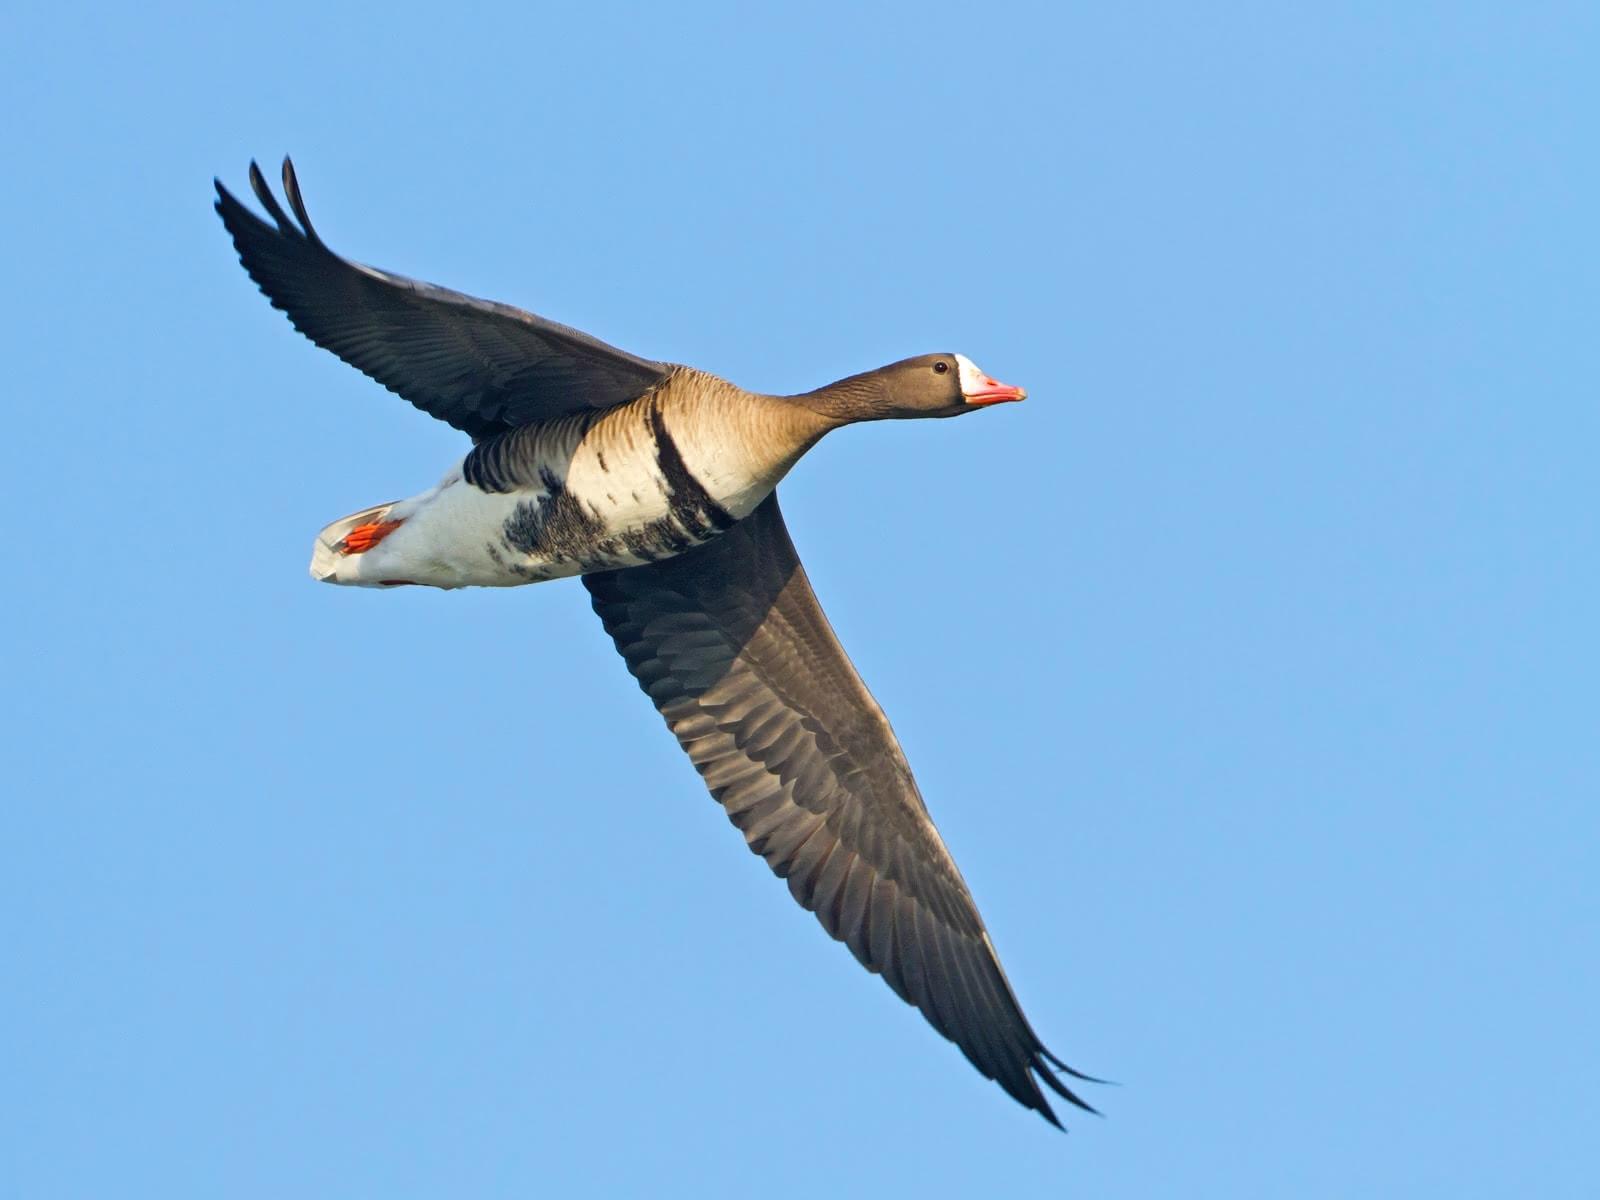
point(858, 398)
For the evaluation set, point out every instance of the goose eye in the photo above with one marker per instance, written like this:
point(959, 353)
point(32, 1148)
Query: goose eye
point(941, 367)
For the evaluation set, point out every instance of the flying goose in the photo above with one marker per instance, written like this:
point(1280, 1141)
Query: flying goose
point(656, 484)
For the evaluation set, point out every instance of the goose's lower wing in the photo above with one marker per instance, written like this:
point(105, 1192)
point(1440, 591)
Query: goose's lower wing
point(730, 643)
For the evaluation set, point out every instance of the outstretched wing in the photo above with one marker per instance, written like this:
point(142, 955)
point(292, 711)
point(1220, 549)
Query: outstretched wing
point(729, 642)
point(481, 366)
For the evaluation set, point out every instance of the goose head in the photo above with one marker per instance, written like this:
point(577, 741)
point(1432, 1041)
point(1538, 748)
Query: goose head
point(930, 385)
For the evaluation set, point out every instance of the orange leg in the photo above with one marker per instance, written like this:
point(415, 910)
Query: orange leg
point(364, 537)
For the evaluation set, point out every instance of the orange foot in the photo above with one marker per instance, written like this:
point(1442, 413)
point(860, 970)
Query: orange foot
point(364, 537)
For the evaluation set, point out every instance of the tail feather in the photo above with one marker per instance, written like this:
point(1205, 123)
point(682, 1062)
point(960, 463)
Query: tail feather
point(328, 553)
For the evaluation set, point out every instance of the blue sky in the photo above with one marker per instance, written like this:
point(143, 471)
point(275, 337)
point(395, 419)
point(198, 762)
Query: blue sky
point(1249, 667)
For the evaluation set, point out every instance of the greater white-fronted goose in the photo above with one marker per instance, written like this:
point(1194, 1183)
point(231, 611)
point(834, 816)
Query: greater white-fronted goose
point(655, 483)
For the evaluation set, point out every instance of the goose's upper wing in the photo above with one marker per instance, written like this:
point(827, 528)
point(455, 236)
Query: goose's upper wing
point(729, 642)
point(481, 366)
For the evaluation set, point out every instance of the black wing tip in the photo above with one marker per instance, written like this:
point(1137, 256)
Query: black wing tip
point(224, 196)
point(242, 224)
point(258, 183)
point(1066, 1070)
point(298, 228)
point(1041, 1069)
point(291, 189)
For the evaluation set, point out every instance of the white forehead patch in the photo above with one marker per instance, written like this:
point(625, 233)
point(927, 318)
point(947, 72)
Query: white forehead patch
point(971, 378)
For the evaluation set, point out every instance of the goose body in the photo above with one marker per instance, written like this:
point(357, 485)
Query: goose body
point(656, 484)
point(591, 491)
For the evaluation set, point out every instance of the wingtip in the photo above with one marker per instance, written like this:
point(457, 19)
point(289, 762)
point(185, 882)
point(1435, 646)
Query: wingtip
point(291, 189)
point(286, 226)
point(227, 206)
point(1041, 1068)
point(1062, 1067)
